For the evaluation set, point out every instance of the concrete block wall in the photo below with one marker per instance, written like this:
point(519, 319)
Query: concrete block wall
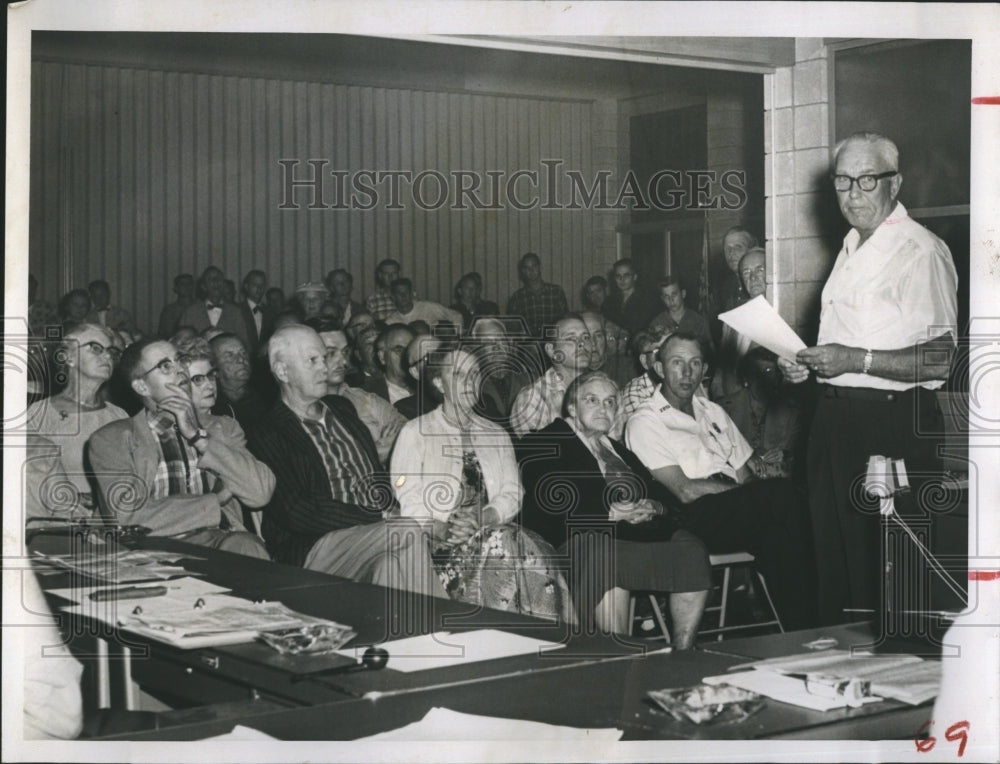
point(800, 210)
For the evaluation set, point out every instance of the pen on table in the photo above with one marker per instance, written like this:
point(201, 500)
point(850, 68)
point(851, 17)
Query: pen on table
point(127, 593)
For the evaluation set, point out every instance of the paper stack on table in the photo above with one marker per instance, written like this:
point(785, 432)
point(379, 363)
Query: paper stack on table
point(445, 724)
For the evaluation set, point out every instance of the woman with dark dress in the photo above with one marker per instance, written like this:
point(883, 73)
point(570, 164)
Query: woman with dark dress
point(592, 497)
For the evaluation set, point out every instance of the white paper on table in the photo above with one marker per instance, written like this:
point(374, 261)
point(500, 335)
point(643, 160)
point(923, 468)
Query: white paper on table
point(777, 686)
point(758, 320)
point(444, 648)
point(445, 724)
point(187, 589)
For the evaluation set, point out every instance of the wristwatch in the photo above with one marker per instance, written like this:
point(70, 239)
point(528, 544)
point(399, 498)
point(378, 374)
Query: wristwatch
point(867, 365)
point(200, 435)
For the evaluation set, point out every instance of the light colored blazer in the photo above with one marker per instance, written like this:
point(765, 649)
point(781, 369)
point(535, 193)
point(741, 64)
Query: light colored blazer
point(427, 467)
point(125, 454)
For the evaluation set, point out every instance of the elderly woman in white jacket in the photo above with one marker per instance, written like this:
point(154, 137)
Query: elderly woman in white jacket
point(456, 472)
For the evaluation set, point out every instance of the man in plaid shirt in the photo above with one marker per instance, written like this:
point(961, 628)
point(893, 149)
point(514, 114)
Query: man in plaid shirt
point(540, 304)
point(380, 303)
point(181, 474)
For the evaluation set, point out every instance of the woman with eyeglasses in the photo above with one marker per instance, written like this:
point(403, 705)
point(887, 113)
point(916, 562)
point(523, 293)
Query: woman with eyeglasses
point(580, 488)
point(196, 357)
point(86, 358)
point(455, 472)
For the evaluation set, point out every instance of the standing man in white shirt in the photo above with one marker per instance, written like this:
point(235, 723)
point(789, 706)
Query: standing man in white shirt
point(887, 335)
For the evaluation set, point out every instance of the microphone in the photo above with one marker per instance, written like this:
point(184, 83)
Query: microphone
point(373, 659)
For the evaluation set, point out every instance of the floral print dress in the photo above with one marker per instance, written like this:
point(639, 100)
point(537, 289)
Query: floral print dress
point(503, 567)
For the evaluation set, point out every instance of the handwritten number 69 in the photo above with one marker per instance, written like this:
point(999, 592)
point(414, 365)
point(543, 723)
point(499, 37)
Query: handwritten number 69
point(957, 731)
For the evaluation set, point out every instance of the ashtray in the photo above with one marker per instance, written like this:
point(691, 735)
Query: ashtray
point(312, 639)
point(707, 704)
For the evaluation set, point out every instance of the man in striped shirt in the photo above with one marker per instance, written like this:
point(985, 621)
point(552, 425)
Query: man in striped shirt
point(332, 509)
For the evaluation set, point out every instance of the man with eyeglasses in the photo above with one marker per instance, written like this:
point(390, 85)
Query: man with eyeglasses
point(382, 420)
point(332, 508)
point(570, 352)
point(694, 449)
point(180, 473)
point(887, 334)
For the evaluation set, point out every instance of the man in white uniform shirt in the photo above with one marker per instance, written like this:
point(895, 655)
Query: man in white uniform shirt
point(694, 449)
point(886, 338)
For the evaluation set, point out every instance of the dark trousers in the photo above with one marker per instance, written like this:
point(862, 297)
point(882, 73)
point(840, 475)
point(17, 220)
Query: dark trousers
point(849, 426)
point(769, 519)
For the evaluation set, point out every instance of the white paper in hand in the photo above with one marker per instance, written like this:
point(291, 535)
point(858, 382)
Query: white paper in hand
point(759, 321)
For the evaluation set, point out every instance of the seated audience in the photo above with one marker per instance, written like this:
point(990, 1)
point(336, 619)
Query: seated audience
point(237, 395)
point(731, 292)
point(539, 303)
point(630, 305)
point(408, 310)
point(595, 294)
point(105, 314)
point(308, 300)
point(365, 371)
point(456, 474)
point(69, 418)
point(189, 472)
point(74, 306)
point(422, 400)
point(678, 317)
point(212, 309)
point(329, 499)
point(570, 353)
point(390, 348)
point(692, 448)
point(380, 303)
point(641, 388)
point(766, 413)
point(733, 346)
point(505, 370)
point(357, 323)
point(340, 283)
point(606, 484)
point(274, 299)
point(610, 351)
point(197, 358)
point(171, 314)
point(229, 291)
point(378, 415)
point(469, 301)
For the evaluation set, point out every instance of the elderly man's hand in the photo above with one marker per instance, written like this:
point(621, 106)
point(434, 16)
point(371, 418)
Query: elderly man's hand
point(831, 360)
point(793, 372)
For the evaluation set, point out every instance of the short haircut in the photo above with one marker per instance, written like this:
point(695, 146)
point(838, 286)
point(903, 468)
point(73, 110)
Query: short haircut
point(402, 282)
point(387, 262)
point(383, 336)
point(668, 281)
point(886, 147)
point(686, 337)
point(341, 272)
point(753, 251)
point(254, 272)
point(433, 365)
point(98, 283)
point(65, 300)
point(282, 340)
point(595, 281)
point(131, 360)
point(195, 349)
point(275, 290)
point(324, 324)
point(528, 256)
point(738, 229)
point(218, 339)
point(574, 387)
point(624, 261)
point(182, 277)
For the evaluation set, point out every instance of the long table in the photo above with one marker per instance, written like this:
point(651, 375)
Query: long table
point(591, 682)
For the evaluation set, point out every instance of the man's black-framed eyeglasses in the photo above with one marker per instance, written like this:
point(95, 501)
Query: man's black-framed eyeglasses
point(165, 366)
point(865, 182)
